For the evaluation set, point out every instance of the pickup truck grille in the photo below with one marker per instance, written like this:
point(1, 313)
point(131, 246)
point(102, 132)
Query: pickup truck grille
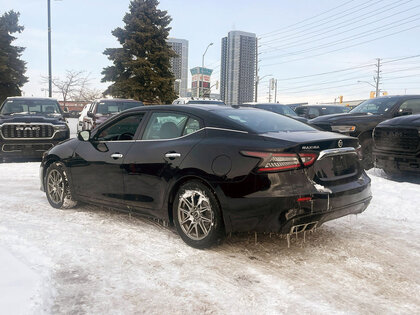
point(401, 139)
point(22, 131)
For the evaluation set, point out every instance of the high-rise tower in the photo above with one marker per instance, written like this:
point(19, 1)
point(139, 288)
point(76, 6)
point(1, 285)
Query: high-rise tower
point(179, 65)
point(237, 73)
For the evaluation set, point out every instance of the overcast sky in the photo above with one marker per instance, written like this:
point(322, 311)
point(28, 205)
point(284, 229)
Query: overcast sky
point(297, 39)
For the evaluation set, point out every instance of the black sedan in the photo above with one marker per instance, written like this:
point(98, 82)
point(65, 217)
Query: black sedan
point(210, 170)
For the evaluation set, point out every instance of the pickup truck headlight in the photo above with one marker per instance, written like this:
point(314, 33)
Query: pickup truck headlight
point(343, 129)
point(61, 127)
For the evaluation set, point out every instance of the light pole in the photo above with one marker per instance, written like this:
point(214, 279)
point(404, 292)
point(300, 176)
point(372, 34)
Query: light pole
point(201, 88)
point(49, 51)
point(256, 85)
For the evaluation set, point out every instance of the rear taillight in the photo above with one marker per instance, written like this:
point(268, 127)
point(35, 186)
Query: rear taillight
point(281, 161)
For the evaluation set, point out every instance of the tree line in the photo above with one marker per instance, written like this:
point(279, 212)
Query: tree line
point(140, 67)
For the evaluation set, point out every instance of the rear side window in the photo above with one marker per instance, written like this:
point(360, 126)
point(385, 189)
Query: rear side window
point(169, 126)
point(192, 125)
point(413, 105)
point(260, 121)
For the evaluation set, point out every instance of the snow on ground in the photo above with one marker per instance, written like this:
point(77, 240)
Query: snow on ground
point(98, 261)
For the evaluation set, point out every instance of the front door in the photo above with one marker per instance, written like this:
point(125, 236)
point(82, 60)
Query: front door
point(96, 166)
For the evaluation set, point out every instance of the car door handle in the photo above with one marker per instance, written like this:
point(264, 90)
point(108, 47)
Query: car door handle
point(116, 156)
point(172, 155)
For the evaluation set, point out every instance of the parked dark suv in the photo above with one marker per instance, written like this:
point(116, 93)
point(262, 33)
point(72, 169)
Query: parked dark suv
point(361, 121)
point(397, 144)
point(30, 126)
point(101, 110)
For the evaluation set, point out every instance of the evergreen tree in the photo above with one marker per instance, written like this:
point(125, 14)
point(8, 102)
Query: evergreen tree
point(12, 69)
point(141, 68)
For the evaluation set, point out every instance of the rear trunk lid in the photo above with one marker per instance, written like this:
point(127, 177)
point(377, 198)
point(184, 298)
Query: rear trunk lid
point(337, 159)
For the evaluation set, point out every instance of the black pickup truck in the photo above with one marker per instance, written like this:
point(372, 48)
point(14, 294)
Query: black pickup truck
point(397, 145)
point(361, 121)
point(30, 126)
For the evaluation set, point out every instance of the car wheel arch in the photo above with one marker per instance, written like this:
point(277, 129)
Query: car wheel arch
point(174, 189)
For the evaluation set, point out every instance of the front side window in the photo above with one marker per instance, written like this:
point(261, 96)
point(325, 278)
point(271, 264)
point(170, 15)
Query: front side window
point(121, 130)
point(411, 105)
point(169, 126)
point(30, 107)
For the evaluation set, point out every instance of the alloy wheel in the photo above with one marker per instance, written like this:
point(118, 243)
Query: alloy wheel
point(195, 215)
point(55, 186)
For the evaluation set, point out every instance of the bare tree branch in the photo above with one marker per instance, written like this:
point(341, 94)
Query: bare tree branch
point(75, 86)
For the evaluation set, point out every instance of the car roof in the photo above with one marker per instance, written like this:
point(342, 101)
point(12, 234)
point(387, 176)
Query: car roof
point(25, 98)
point(398, 96)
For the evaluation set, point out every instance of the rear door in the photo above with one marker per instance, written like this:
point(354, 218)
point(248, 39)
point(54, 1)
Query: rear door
point(154, 160)
point(96, 167)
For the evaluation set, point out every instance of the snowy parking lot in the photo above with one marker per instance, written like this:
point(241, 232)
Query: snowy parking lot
point(97, 261)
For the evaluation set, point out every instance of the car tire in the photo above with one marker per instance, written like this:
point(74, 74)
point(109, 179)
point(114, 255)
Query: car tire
point(57, 187)
point(367, 161)
point(197, 215)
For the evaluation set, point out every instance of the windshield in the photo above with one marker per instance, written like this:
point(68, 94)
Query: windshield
point(111, 107)
point(375, 106)
point(30, 107)
point(260, 121)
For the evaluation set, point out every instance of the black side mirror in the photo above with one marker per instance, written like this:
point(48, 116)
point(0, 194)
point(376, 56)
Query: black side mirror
point(84, 135)
point(90, 114)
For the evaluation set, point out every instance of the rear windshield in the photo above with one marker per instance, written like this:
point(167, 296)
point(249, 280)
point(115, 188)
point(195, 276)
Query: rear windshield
point(260, 121)
point(375, 106)
point(111, 107)
point(30, 107)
